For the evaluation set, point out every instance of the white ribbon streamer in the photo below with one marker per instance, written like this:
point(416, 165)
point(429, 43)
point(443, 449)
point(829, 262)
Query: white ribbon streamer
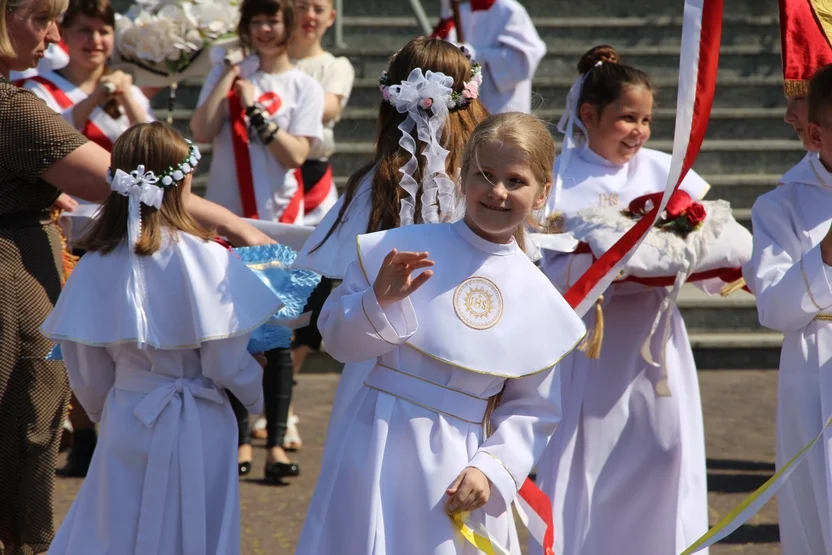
point(423, 97)
point(140, 187)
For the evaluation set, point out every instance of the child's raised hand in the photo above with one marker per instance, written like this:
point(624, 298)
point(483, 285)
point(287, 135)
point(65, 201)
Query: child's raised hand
point(394, 281)
point(470, 491)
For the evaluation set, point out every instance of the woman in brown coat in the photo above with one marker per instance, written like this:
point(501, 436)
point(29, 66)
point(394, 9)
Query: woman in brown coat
point(41, 155)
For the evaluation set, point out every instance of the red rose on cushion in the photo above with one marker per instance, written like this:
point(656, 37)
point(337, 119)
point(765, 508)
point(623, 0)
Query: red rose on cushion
point(696, 214)
point(679, 202)
point(639, 205)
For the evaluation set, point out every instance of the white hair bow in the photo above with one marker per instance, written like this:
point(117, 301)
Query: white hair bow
point(139, 183)
point(430, 93)
point(140, 187)
point(566, 125)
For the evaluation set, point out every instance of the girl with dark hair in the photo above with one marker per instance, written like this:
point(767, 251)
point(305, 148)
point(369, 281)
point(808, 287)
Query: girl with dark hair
point(626, 468)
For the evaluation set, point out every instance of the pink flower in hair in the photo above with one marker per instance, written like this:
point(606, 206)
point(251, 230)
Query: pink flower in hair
point(426, 103)
point(385, 93)
point(471, 90)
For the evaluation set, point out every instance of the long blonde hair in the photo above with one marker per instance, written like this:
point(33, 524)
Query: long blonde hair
point(529, 134)
point(157, 147)
point(56, 8)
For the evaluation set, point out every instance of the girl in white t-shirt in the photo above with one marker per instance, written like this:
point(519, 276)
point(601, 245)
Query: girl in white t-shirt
point(336, 75)
point(263, 116)
point(100, 104)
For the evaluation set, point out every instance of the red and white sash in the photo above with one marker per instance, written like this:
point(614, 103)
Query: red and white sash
point(250, 181)
point(100, 127)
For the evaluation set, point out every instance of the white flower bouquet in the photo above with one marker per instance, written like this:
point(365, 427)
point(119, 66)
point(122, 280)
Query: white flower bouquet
point(165, 41)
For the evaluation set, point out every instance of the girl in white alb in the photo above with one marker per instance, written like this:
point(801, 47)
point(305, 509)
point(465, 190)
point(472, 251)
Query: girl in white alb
point(263, 116)
point(331, 247)
point(154, 325)
point(100, 104)
point(464, 390)
point(626, 469)
point(502, 37)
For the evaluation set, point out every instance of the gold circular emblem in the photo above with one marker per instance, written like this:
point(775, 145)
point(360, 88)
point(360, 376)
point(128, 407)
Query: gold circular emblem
point(478, 303)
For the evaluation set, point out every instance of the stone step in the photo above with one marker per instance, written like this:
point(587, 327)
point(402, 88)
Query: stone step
point(550, 94)
point(714, 313)
point(559, 33)
point(360, 124)
point(763, 157)
point(545, 8)
point(657, 61)
point(716, 156)
point(740, 190)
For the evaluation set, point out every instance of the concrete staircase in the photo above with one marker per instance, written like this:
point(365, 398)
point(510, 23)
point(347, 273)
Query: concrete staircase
point(746, 149)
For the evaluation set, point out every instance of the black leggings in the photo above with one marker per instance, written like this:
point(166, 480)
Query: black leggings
point(277, 396)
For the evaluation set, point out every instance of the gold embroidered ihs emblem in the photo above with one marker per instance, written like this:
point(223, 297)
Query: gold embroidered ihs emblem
point(478, 303)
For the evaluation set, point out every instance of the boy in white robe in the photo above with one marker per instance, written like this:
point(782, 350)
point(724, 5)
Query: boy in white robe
point(501, 36)
point(790, 274)
point(154, 325)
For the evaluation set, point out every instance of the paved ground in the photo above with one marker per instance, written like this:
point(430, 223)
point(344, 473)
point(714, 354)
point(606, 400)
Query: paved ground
point(739, 423)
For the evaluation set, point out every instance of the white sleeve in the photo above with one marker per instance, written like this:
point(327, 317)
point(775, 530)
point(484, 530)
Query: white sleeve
point(523, 422)
point(92, 373)
point(516, 55)
point(791, 287)
point(144, 102)
point(339, 79)
point(210, 82)
point(355, 327)
point(228, 364)
point(694, 185)
point(307, 117)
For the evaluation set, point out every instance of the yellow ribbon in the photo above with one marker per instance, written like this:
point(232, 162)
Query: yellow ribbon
point(754, 502)
point(482, 542)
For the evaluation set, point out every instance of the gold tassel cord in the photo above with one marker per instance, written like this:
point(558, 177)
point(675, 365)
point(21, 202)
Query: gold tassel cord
point(591, 346)
point(733, 287)
point(68, 260)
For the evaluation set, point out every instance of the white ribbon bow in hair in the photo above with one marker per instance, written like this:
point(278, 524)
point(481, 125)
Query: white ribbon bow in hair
point(139, 183)
point(566, 125)
point(140, 187)
point(430, 91)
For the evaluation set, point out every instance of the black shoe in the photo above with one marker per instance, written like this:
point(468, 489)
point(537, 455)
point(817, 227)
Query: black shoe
point(277, 471)
point(80, 456)
point(243, 468)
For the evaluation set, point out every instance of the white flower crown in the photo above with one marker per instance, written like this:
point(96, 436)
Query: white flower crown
point(149, 187)
point(427, 96)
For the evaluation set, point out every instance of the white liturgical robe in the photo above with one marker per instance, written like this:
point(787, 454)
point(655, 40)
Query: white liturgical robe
point(440, 356)
point(163, 478)
point(794, 295)
point(626, 468)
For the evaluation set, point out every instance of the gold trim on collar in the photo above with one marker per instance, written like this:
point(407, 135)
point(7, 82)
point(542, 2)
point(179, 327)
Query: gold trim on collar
point(461, 367)
point(796, 87)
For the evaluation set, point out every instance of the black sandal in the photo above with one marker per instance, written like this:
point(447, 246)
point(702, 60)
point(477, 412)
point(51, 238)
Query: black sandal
point(277, 471)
